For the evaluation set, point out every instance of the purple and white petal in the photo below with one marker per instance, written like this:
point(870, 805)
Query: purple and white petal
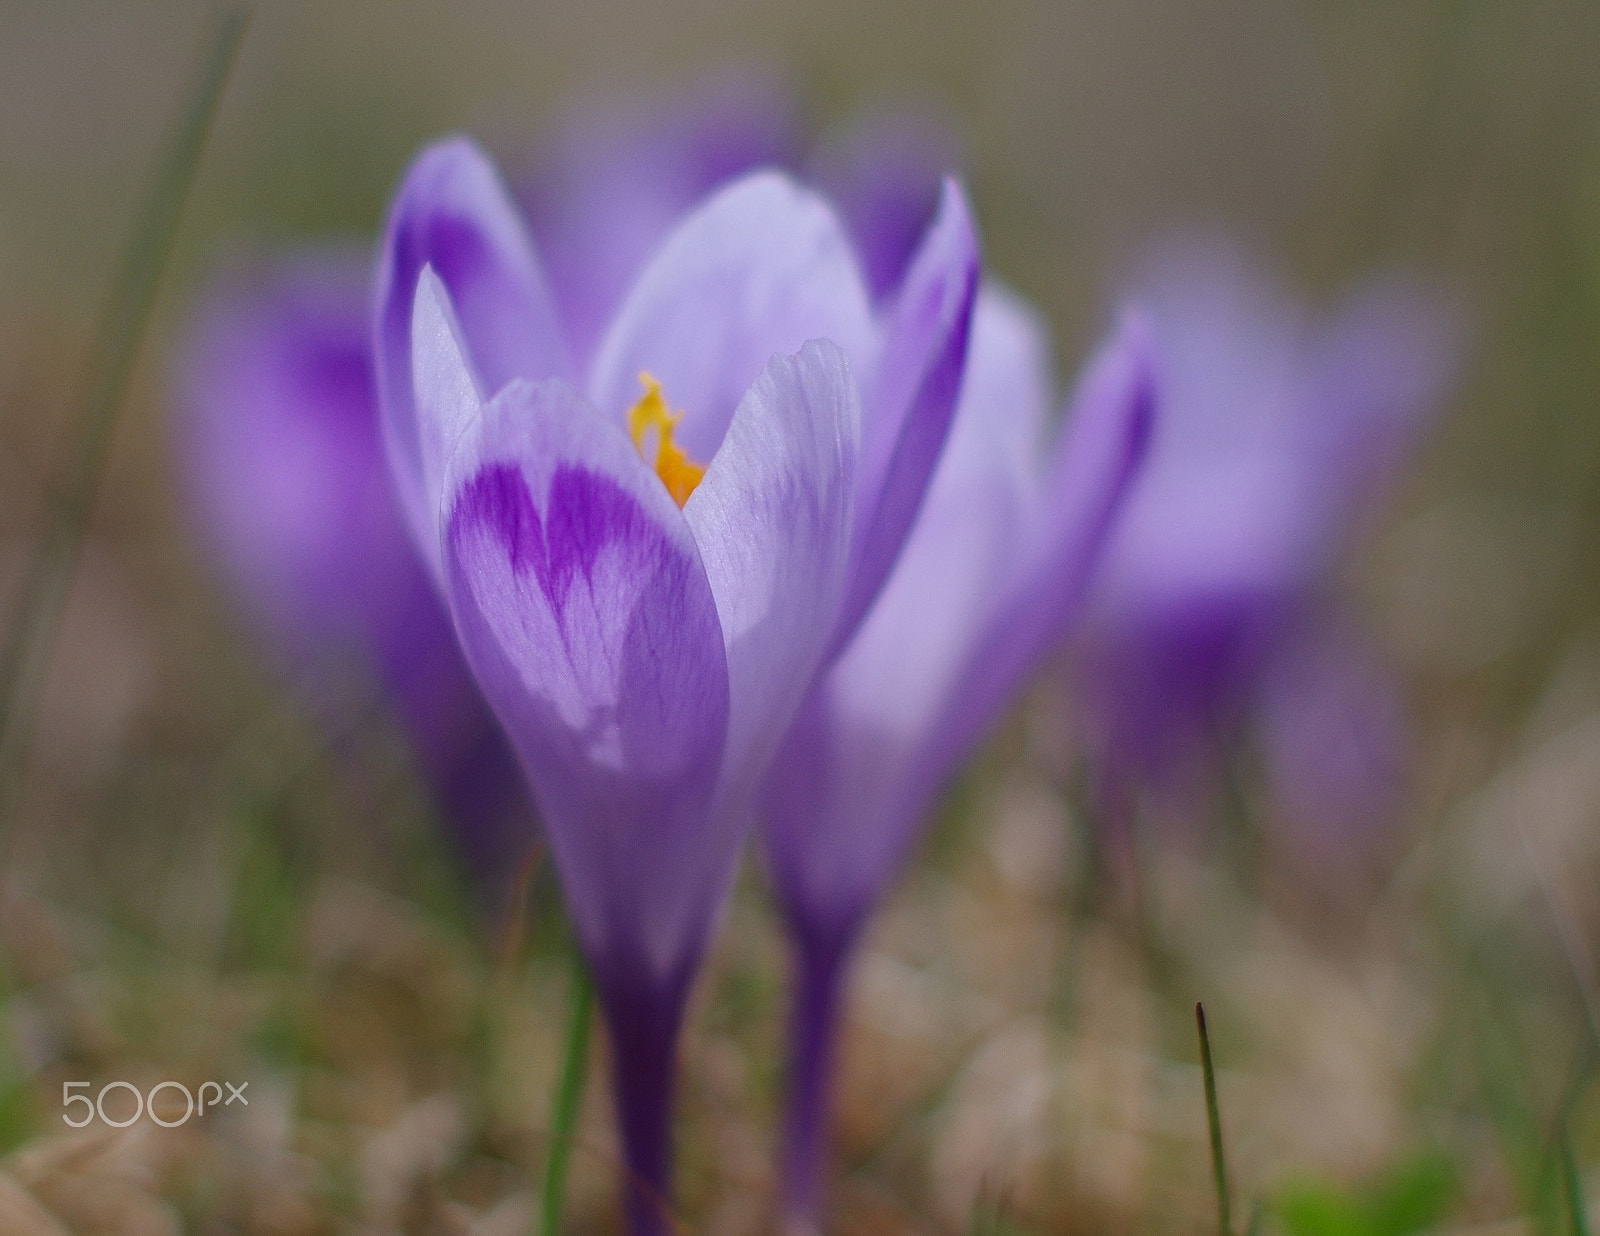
point(757, 271)
point(453, 213)
point(588, 619)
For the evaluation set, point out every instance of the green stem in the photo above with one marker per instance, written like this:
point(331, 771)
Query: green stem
point(1571, 1183)
point(121, 329)
point(569, 1091)
point(1219, 1166)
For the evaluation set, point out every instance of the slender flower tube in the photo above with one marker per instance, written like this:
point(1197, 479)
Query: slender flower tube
point(282, 457)
point(991, 578)
point(648, 561)
point(1277, 429)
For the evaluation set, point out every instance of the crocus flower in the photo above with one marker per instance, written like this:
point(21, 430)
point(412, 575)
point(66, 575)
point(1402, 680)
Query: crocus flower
point(992, 576)
point(648, 557)
point(282, 455)
point(1277, 427)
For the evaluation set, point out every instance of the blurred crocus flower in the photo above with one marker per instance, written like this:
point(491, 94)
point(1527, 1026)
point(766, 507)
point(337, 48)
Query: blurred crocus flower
point(1277, 430)
point(650, 555)
point(282, 457)
point(884, 170)
point(1332, 732)
point(991, 578)
point(613, 176)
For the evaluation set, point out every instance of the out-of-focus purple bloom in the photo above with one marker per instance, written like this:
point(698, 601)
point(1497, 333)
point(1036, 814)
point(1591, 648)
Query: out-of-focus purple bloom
point(991, 577)
point(1333, 739)
point(283, 457)
point(614, 177)
point(884, 170)
point(1277, 428)
point(645, 633)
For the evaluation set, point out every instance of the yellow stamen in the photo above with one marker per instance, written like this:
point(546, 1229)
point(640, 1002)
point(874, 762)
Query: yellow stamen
point(677, 471)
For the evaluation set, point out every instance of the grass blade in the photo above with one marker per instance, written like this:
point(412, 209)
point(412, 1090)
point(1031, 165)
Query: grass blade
point(115, 346)
point(1571, 1183)
point(1219, 1166)
point(564, 1117)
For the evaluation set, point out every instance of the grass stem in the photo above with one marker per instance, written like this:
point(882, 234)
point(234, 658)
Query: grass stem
point(569, 1092)
point(1219, 1166)
point(1571, 1184)
point(43, 593)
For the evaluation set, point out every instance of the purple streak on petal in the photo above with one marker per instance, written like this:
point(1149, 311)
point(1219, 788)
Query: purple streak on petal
point(617, 176)
point(281, 451)
point(452, 213)
point(914, 397)
point(757, 271)
point(885, 172)
point(589, 621)
point(587, 617)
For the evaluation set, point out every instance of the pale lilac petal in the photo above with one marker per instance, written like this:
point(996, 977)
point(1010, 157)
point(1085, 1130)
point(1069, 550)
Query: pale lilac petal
point(1096, 460)
point(1007, 395)
point(772, 520)
point(588, 619)
point(447, 402)
point(970, 538)
point(756, 272)
point(453, 213)
point(1225, 507)
point(913, 397)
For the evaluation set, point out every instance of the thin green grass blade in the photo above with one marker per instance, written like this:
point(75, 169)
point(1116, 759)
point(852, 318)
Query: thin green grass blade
point(115, 346)
point(1219, 1166)
point(1571, 1183)
point(569, 1093)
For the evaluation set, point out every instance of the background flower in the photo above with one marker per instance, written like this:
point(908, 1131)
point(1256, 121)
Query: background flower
point(1280, 429)
point(991, 578)
point(283, 458)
